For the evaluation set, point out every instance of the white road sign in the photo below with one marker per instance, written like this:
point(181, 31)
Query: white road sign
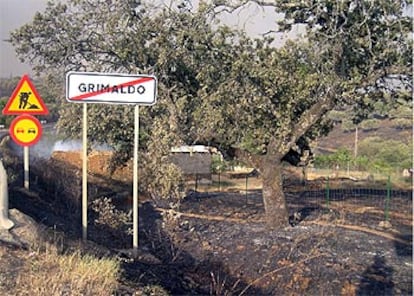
point(94, 87)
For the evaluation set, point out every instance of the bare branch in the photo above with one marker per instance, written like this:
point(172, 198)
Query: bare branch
point(306, 121)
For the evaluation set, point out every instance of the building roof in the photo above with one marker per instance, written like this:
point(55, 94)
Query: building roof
point(191, 149)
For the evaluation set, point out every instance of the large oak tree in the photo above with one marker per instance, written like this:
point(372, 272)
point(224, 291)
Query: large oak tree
point(354, 53)
point(255, 102)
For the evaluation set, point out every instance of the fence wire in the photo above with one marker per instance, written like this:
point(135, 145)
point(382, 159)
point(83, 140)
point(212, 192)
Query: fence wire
point(360, 201)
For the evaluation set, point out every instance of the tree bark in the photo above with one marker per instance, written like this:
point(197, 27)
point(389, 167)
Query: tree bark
point(276, 210)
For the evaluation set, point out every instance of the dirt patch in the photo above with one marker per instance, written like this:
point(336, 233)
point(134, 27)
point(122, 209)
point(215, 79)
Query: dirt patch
point(99, 163)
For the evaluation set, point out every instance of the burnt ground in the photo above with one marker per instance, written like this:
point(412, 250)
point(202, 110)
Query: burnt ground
point(329, 252)
point(216, 243)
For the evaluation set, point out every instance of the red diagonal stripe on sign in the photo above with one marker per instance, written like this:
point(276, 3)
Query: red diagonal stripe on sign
point(99, 92)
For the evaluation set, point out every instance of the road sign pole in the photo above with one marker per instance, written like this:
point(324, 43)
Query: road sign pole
point(135, 181)
point(26, 166)
point(85, 174)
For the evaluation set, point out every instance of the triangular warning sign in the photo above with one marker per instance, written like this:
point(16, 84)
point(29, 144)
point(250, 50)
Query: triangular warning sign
point(25, 100)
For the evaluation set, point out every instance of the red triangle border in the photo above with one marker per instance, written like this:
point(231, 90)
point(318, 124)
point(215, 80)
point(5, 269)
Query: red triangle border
point(26, 78)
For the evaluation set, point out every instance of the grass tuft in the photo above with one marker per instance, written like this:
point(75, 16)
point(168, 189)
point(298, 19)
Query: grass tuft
point(48, 273)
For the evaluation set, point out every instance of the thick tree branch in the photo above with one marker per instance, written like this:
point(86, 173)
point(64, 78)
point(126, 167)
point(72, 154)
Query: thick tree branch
point(250, 159)
point(307, 120)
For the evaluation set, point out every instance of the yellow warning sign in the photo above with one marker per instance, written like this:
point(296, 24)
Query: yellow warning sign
point(25, 100)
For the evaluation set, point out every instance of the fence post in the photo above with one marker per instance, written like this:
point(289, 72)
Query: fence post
point(327, 193)
point(387, 201)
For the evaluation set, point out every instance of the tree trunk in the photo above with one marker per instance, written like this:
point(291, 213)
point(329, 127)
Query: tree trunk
point(273, 197)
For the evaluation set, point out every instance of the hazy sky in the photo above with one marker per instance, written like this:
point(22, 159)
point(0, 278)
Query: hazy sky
point(15, 13)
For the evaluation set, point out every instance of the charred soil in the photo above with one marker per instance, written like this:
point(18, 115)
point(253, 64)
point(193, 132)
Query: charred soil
point(216, 243)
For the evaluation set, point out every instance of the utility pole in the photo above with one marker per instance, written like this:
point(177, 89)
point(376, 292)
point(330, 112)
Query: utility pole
point(356, 143)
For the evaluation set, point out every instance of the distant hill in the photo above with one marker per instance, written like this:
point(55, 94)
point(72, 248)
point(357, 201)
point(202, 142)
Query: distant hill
point(339, 138)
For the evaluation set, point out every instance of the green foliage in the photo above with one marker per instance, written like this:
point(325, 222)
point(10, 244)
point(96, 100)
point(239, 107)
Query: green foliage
point(218, 164)
point(161, 178)
point(50, 89)
point(403, 111)
point(7, 86)
point(340, 159)
point(402, 123)
point(362, 163)
point(370, 124)
point(217, 86)
point(4, 120)
point(111, 217)
point(386, 155)
point(356, 39)
point(375, 154)
point(339, 116)
point(348, 126)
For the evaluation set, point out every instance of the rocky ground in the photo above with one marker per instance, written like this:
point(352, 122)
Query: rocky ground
point(216, 243)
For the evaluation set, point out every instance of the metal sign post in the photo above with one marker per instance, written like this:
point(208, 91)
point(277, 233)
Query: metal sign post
point(85, 173)
point(25, 130)
point(135, 182)
point(26, 166)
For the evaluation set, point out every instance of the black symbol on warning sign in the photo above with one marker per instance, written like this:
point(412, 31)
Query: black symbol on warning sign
point(24, 101)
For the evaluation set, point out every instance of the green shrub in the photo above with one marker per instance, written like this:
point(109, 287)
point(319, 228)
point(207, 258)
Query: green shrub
point(339, 116)
point(217, 164)
point(402, 123)
point(403, 111)
point(374, 154)
point(386, 155)
point(340, 158)
point(348, 126)
point(370, 124)
point(108, 215)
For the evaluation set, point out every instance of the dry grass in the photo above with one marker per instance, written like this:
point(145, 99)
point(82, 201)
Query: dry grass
point(375, 180)
point(48, 273)
point(227, 184)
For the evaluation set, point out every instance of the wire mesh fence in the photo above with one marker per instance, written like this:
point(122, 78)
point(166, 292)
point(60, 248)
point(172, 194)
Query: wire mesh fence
point(363, 201)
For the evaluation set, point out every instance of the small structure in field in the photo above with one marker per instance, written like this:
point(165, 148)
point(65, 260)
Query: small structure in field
point(194, 161)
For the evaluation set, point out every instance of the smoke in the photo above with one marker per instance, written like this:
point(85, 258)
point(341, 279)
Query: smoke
point(49, 143)
point(69, 145)
point(45, 147)
point(76, 145)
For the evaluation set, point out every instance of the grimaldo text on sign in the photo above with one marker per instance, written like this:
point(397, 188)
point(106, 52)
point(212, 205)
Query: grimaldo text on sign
point(94, 87)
